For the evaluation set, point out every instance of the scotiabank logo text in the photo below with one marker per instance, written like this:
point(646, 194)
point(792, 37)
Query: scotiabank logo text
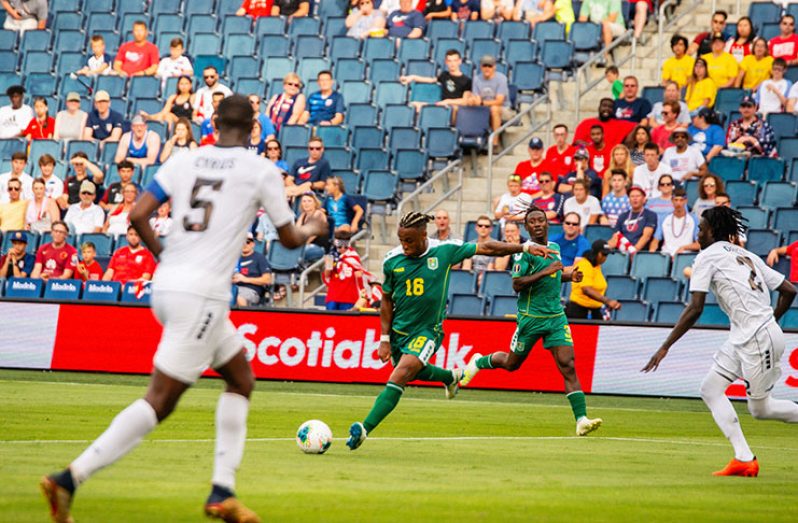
point(324, 349)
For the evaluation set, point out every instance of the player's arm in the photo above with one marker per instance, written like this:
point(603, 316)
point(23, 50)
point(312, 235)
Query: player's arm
point(386, 321)
point(496, 248)
point(786, 296)
point(522, 282)
point(572, 274)
point(689, 316)
point(140, 220)
point(293, 236)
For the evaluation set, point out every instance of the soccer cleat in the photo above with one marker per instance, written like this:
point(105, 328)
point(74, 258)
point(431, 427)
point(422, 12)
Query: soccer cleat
point(585, 426)
point(748, 469)
point(59, 499)
point(357, 435)
point(452, 388)
point(231, 510)
point(470, 370)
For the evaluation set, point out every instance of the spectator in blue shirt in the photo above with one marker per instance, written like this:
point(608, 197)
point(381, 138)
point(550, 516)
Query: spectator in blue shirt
point(274, 152)
point(406, 22)
point(572, 243)
point(103, 124)
point(311, 173)
point(325, 106)
point(252, 274)
point(341, 208)
point(706, 134)
point(17, 263)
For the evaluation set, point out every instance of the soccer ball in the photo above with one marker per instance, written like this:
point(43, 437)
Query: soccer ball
point(314, 437)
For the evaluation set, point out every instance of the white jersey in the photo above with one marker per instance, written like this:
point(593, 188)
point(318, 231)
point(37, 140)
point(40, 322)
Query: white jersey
point(741, 282)
point(215, 192)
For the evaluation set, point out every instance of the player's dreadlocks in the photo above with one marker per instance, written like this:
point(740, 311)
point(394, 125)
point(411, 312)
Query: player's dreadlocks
point(415, 220)
point(726, 223)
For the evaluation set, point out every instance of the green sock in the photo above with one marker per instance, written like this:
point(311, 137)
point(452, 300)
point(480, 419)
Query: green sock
point(484, 362)
point(383, 405)
point(433, 373)
point(578, 404)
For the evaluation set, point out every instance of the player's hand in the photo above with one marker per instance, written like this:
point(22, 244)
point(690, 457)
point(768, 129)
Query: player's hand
point(317, 225)
point(773, 257)
point(538, 250)
point(384, 352)
point(576, 275)
point(554, 267)
point(655, 360)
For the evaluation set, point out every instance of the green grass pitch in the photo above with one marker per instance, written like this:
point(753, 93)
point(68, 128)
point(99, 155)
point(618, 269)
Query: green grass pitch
point(486, 456)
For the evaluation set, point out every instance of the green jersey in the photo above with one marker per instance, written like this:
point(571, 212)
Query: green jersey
point(542, 298)
point(419, 286)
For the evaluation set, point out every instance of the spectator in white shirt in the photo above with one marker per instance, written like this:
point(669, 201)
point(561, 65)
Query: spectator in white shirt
point(646, 175)
point(176, 64)
point(25, 15)
point(585, 205)
point(53, 185)
point(85, 217)
point(774, 92)
point(69, 123)
point(203, 99)
point(15, 117)
point(679, 230)
point(508, 206)
point(684, 161)
point(18, 162)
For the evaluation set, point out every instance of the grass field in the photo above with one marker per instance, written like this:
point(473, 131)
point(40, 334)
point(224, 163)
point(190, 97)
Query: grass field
point(487, 456)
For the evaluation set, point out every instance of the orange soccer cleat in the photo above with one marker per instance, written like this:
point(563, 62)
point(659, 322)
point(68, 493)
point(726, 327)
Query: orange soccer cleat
point(231, 510)
point(748, 469)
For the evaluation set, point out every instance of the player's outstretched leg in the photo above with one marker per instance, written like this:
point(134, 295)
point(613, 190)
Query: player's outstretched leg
point(713, 392)
point(449, 378)
point(231, 433)
point(564, 358)
point(509, 361)
point(123, 434)
point(772, 408)
point(406, 371)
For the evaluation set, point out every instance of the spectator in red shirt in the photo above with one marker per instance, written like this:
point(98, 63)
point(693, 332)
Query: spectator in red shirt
point(139, 57)
point(560, 155)
point(56, 259)
point(661, 135)
point(344, 275)
point(791, 251)
point(43, 125)
point(255, 8)
point(88, 268)
point(600, 151)
point(615, 131)
point(131, 262)
point(786, 44)
point(529, 170)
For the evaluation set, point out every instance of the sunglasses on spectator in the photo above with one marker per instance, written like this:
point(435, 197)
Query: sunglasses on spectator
point(666, 184)
point(210, 77)
point(250, 240)
point(571, 223)
point(545, 181)
point(314, 148)
point(14, 189)
point(292, 84)
point(484, 226)
point(709, 185)
point(87, 192)
point(489, 66)
point(272, 148)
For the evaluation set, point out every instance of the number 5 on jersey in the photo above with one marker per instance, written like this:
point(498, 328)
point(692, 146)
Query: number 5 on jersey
point(415, 287)
point(203, 204)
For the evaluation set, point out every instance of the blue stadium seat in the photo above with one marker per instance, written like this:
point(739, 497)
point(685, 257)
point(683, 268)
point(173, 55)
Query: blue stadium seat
point(103, 243)
point(8, 61)
point(477, 29)
point(144, 87)
point(251, 85)
point(292, 154)
point(788, 151)
point(656, 289)
point(294, 135)
point(461, 282)
point(763, 169)
point(333, 135)
point(147, 105)
point(557, 58)
point(379, 186)
point(367, 136)
point(39, 84)
point(598, 232)
point(114, 85)
point(8, 39)
point(465, 305)
point(326, 10)
point(442, 143)
point(304, 26)
point(360, 114)
point(409, 164)
point(395, 115)
point(757, 217)
point(276, 67)
point(69, 40)
point(403, 138)
point(225, 8)
point(6, 244)
point(68, 62)
point(548, 30)
point(62, 290)
point(200, 23)
point(334, 25)
point(198, 7)
point(438, 29)
point(40, 147)
point(35, 41)
point(309, 68)
point(727, 168)
point(527, 77)
point(101, 21)
point(786, 219)
point(713, 315)
point(728, 99)
point(148, 175)
point(783, 124)
point(425, 93)
point(383, 70)
point(308, 46)
point(344, 47)
point(165, 7)
point(647, 264)
point(112, 40)
point(790, 319)
point(513, 30)
point(127, 20)
point(232, 24)
point(762, 241)
point(778, 194)
point(417, 49)
point(503, 306)
point(351, 180)
point(631, 310)
point(420, 68)
point(484, 47)
point(473, 127)
point(622, 287)
point(164, 39)
point(243, 67)
point(109, 152)
point(378, 48)
point(443, 46)
point(9, 146)
point(617, 263)
point(25, 288)
point(434, 116)
point(390, 93)
point(90, 148)
point(204, 44)
point(349, 69)
point(130, 294)
point(741, 193)
point(203, 61)
point(668, 312)
point(283, 259)
point(371, 159)
point(654, 93)
point(340, 157)
point(586, 37)
point(763, 12)
point(238, 44)
point(496, 283)
point(269, 25)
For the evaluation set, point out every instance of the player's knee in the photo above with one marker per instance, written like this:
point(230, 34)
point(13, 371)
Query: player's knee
point(162, 405)
point(242, 385)
point(512, 365)
point(758, 409)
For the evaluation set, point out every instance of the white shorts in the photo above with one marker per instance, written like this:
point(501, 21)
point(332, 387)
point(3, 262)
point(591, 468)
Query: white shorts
point(197, 334)
point(617, 29)
point(758, 362)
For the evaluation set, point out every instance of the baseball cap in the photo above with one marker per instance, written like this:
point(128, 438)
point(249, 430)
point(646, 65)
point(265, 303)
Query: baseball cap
point(487, 60)
point(536, 143)
point(138, 119)
point(87, 186)
point(704, 112)
point(680, 130)
point(581, 153)
point(72, 96)
point(101, 96)
point(250, 236)
point(748, 100)
point(19, 236)
point(637, 188)
point(600, 246)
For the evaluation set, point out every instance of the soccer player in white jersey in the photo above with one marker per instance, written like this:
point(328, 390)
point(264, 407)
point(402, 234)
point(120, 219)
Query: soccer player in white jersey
point(215, 193)
point(741, 281)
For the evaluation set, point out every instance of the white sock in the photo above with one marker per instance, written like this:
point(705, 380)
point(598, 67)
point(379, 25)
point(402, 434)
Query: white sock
point(771, 408)
point(713, 392)
point(231, 432)
point(125, 432)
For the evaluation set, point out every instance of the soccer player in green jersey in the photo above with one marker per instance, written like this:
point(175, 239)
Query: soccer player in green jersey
point(413, 308)
point(537, 281)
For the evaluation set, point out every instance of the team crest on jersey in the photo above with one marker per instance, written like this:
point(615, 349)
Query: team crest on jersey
point(432, 263)
point(517, 267)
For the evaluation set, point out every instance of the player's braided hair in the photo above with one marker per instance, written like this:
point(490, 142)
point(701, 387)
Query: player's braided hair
point(415, 220)
point(726, 223)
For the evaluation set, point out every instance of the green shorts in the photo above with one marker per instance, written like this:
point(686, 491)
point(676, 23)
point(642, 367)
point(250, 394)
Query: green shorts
point(555, 332)
point(422, 344)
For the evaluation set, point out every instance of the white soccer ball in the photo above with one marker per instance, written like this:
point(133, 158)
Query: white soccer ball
point(314, 437)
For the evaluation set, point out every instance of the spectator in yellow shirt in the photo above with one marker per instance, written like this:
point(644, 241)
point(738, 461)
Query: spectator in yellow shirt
point(678, 67)
point(12, 213)
point(755, 67)
point(588, 295)
point(721, 65)
point(701, 89)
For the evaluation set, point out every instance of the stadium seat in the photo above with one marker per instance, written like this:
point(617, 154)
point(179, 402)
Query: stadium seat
point(40, 147)
point(778, 194)
point(465, 305)
point(69, 40)
point(109, 152)
point(360, 114)
point(741, 193)
point(484, 47)
point(713, 315)
point(345, 47)
point(762, 241)
point(548, 30)
point(728, 99)
point(403, 138)
point(763, 12)
point(783, 125)
point(62, 290)
point(557, 57)
point(417, 49)
point(788, 151)
point(243, 67)
point(238, 44)
point(770, 31)
point(727, 168)
point(763, 169)
point(68, 62)
point(527, 77)
point(333, 136)
point(101, 21)
point(617, 263)
point(434, 116)
point(165, 7)
point(349, 69)
point(409, 164)
point(442, 46)
point(351, 180)
point(622, 287)
point(126, 20)
point(598, 232)
point(294, 135)
point(668, 311)
point(35, 41)
point(327, 10)
point(461, 282)
point(647, 264)
point(198, 7)
point(114, 85)
point(276, 67)
point(6, 243)
point(131, 293)
point(517, 51)
point(473, 127)
point(442, 143)
point(790, 319)
point(144, 87)
point(357, 93)
point(631, 310)
point(274, 45)
point(680, 261)
point(367, 136)
point(269, 25)
point(513, 30)
point(383, 70)
point(503, 306)
point(309, 68)
point(204, 44)
point(334, 25)
point(308, 46)
point(340, 158)
point(304, 26)
point(586, 37)
point(8, 61)
point(371, 159)
point(103, 243)
point(438, 29)
point(757, 217)
point(657, 289)
point(225, 8)
point(390, 93)
point(786, 219)
point(378, 48)
point(39, 84)
point(379, 186)
point(25, 288)
point(477, 29)
point(425, 93)
point(8, 39)
point(232, 24)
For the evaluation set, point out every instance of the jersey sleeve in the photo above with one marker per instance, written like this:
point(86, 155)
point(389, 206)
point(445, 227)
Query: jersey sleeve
point(520, 265)
point(388, 283)
point(272, 197)
point(457, 252)
point(702, 275)
point(773, 279)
